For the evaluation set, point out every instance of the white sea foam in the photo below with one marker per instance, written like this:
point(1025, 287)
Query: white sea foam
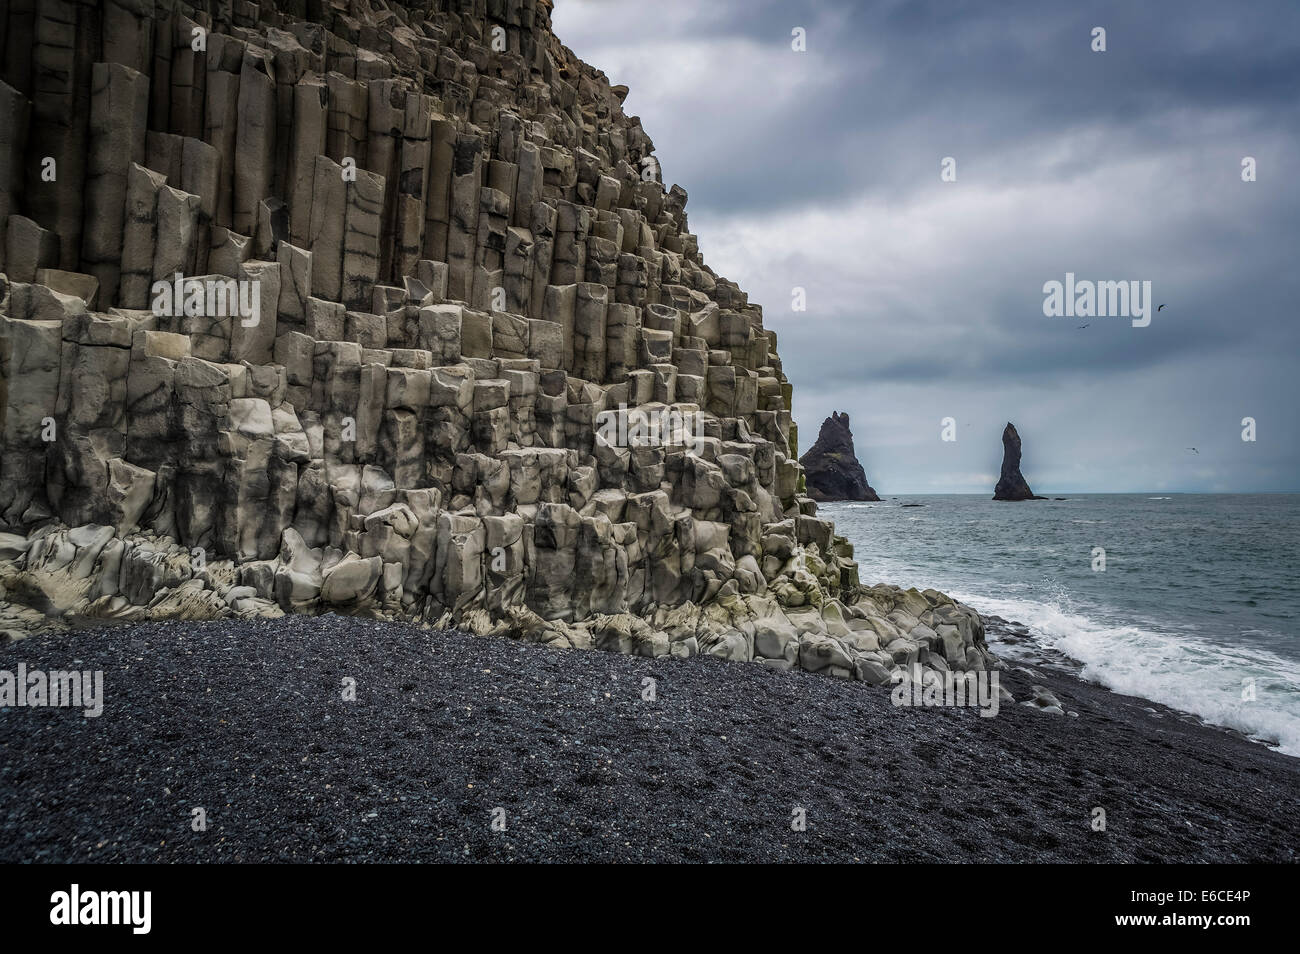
point(1179, 670)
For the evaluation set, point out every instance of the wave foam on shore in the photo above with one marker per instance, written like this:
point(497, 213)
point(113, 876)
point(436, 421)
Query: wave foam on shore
point(1185, 672)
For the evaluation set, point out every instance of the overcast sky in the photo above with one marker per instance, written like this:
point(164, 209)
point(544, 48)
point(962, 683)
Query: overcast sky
point(821, 170)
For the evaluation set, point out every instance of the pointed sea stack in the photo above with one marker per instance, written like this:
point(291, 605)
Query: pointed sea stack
point(1012, 485)
point(832, 468)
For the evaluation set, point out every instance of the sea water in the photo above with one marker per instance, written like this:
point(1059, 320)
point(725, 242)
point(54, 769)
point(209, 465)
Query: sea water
point(1185, 599)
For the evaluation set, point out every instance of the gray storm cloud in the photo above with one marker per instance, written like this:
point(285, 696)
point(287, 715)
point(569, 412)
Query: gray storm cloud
point(821, 170)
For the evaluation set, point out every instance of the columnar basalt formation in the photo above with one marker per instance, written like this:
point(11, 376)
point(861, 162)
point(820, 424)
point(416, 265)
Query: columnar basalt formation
point(831, 466)
point(1011, 484)
point(318, 305)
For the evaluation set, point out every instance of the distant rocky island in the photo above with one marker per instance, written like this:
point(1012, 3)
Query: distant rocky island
point(831, 467)
point(1012, 484)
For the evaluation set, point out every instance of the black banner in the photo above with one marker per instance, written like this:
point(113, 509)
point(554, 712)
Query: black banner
point(137, 904)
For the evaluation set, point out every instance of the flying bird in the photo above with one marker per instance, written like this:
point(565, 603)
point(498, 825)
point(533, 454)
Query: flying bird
point(1158, 309)
point(1085, 326)
point(1193, 450)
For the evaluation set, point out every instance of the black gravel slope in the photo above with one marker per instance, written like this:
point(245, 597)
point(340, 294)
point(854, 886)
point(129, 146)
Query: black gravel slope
point(247, 720)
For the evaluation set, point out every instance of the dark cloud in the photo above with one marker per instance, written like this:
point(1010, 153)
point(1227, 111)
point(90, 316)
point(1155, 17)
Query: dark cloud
point(821, 170)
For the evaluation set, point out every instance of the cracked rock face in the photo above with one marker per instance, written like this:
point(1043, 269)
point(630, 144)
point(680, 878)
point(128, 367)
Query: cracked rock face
point(831, 466)
point(322, 307)
point(1011, 485)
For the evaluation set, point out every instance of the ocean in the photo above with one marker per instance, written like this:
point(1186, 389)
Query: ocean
point(1195, 607)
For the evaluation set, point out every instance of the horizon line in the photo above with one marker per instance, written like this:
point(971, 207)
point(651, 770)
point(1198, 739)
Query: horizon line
point(1076, 493)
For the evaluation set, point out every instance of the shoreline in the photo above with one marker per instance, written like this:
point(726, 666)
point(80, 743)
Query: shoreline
point(1039, 660)
point(1217, 643)
point(244, 718)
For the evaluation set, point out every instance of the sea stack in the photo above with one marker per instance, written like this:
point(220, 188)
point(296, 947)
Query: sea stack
point(1012, 484)
point(832, 468)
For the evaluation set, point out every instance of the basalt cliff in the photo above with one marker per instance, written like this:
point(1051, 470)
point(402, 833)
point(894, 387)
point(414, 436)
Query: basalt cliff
point(383, 309)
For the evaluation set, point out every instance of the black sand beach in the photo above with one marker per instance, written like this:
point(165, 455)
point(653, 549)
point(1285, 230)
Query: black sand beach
point(247, 721)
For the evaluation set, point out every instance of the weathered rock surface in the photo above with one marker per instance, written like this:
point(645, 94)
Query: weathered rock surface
point(327, 311)
point(1011, 485)
point(831, 466)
